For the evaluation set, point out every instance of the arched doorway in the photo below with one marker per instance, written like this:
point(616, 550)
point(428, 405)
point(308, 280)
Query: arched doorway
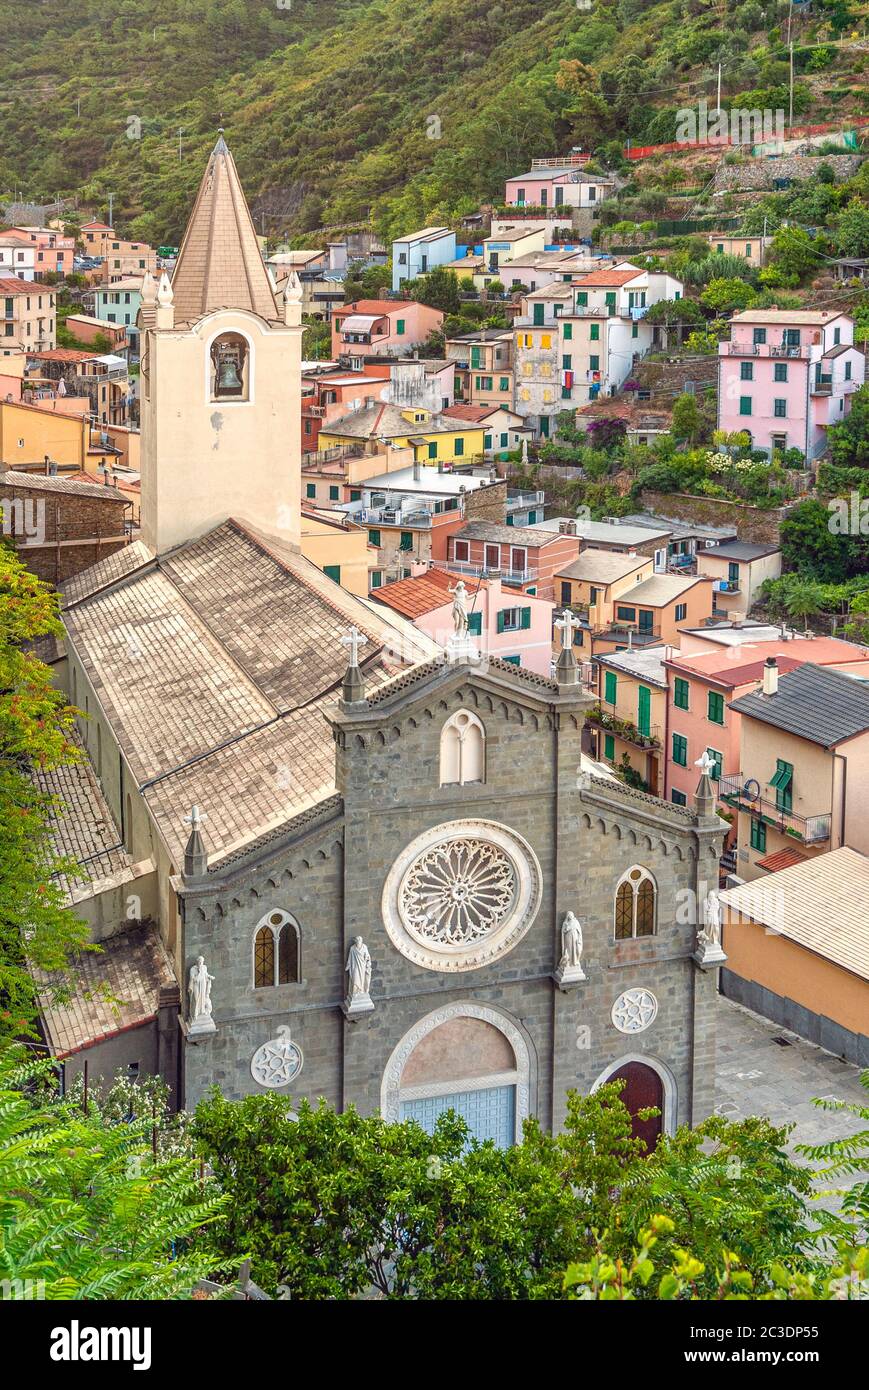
point(467, 1058)
point(648, 1081)
point(643, 1088)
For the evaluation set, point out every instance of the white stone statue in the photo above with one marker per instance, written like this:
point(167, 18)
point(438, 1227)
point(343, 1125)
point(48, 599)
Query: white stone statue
point(358, 969)
point(460, 607)
point(712, 918)
point(199, 991)
point(570, 969)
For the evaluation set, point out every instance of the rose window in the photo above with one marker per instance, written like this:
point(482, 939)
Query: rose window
point(461, 894)
point(457, 892)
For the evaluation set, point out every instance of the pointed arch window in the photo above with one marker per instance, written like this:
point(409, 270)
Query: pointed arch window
point(463, 750)
point(276, 951)
point(635, 910)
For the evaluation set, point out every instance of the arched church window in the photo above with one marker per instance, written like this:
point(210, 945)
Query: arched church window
point(276, 951)
point(230, 368)
point(463, 750)
point(635, 904)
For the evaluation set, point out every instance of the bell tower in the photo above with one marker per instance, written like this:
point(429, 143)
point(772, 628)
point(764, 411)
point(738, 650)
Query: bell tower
point(220, 380)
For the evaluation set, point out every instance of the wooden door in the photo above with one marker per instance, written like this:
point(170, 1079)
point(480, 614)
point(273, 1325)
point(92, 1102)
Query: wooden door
point(643, 1087)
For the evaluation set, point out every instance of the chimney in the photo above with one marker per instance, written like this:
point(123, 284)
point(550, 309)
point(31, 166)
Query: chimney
point(770, 676)
point(417, 471)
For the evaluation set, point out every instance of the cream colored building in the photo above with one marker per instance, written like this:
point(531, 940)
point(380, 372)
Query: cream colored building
point(803, 783)
point(219, 386)
point(28, 316)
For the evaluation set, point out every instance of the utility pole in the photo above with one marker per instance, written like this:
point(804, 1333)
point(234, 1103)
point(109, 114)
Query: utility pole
point(111, 201)
point(763, 243)
point(180, 130)
point(791, 84)
point(718, 102)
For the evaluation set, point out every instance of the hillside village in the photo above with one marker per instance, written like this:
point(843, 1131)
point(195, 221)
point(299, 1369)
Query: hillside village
point(363, 533)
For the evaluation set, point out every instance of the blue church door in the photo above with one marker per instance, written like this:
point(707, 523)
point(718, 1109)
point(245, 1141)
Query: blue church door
point(490, 1113)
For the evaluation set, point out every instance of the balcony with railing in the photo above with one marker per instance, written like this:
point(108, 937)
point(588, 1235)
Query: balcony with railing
point(743, 793)
point(725, 586)
point(509, 576)
point(786, 350)
point(649, 740)
point(822, 384)
point(519, 501)
point(629, 634)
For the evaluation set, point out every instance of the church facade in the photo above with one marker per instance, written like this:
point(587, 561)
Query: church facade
point(380, 873)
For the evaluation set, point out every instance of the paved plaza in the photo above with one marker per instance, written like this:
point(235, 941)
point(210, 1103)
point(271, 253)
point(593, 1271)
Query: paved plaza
point(757, 1075)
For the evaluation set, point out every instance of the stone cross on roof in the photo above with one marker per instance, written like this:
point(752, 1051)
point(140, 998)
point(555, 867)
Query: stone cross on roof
point(354, 640)
point(353, 686)
point(567, 625)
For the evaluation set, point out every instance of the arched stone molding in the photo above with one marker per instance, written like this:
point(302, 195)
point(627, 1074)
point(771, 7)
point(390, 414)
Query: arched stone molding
point(392, 1094)
point(668, 1080)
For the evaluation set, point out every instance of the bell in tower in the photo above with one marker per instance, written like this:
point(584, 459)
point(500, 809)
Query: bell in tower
point(228, 359)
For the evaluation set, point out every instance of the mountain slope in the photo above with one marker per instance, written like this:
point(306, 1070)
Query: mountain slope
point(412, 109)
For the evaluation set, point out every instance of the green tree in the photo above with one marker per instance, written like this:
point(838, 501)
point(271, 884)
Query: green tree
point(852, 230)
point(847, 1157)
point(85, 1209)
point(687, 420)
point(810, 548)
point(793, 252)
point(439, 289)
point(727, 296)
point(849, 441)
point(35, 733)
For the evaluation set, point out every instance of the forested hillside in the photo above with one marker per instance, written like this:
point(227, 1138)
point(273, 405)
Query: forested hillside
point(411, 110)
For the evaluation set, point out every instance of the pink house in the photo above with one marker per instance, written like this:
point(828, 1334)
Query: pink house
point(503, 621)
point(52, 250)
point(384, 327)
point(703, 684)
point(555, 183)
point(786, 375)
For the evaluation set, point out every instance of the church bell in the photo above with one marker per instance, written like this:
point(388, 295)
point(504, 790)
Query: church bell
point(228, 378)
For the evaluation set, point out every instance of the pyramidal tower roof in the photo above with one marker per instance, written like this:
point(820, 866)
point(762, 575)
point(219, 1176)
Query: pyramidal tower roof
point(219, 265)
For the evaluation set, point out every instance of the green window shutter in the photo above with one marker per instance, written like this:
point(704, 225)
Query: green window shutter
point(538, 315)
point(678, 798)
point(504, 383)
point(355, 494)
point(745, 405)
point(399, 326)
point(680, 750)
point(594, 332)
point(509, 519)
point(635, 332)
point(475, 624)
point(311, 490)
point(475, 357)
point(501, 621)
point(487, 441)
point(594, 362)
point(433, 450)
point(680, 693)
point(504, 440)
point(609, 747)
point(374, 537)
point(582, 298)
point(758, 836)
point(566, 361)
point(334, 493)
point(333, 572)
point(715, 707)
point(568, 331)
point(610, 687)
point(783, 784)
point(459, 447)
point(644, 710)
point(376, 578)
point(526, 617)
point(406, 542)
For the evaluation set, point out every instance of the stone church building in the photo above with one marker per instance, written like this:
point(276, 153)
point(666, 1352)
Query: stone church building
point(323, 855)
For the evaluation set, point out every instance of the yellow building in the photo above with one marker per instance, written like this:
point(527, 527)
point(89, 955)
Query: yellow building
point(803, 780)
point(629, 721)
point(30, 433)
point(341, 551)
point(432, 438)
point(593, 584)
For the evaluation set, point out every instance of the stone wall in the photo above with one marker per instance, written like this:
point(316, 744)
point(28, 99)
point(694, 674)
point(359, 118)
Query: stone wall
point(752, 523)
point(487, 503)
point(59, 534)
point(762, 173)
